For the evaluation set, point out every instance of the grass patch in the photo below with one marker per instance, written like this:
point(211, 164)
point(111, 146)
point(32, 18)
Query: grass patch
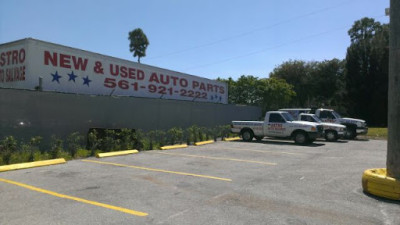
point(377, 133)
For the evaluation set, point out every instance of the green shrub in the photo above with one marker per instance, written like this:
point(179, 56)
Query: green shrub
point(19, 157)
point(127, 137)
point(138, 137)
point(37, 156)
point(214, 132)
point(148, 143)
point(82, 153)
point(94, 142)
point(65, 155)
point(175, 135)
point(156, 146)
point(74, 142)
point(193, 134)
point(109, 141)
point(33, 146)
point(7, 147)
point(112, 140)
point(225, 131)
point(56, 147)
point(160, 138)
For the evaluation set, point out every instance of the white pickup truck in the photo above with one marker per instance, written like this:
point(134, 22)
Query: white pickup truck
point(278, 124)
point(354, 127)
point(332, 131)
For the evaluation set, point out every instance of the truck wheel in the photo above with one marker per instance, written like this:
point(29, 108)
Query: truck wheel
point(300, 138)
point(350, 133)
point(331, 135)
point(247, 135)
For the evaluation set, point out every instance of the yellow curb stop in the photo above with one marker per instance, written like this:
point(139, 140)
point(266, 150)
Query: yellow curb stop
point(167, 147)
point(31, 164)
point(203, 142)
point(118, 153)
point(376, 182)
point(232, 139)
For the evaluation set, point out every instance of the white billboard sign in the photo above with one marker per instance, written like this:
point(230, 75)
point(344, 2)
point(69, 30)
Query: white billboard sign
point(70, 70)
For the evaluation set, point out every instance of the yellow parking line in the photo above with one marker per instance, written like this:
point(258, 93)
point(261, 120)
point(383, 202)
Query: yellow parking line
point(129, 211)
point(219, 158)
point(264, 151)
point(158, 170)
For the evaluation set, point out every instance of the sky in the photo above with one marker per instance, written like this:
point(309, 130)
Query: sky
point(206, 38)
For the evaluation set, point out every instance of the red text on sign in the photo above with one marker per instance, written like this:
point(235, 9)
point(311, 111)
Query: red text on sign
point(168, 80)
point(12, 74)
point(208, 87)
point(65, 61)
point(12, 57)
point(126, 72)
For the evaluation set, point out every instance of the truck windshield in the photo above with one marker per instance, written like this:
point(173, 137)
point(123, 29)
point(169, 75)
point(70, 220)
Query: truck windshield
point(316, 119)
point(287, 117)
point(337, 115)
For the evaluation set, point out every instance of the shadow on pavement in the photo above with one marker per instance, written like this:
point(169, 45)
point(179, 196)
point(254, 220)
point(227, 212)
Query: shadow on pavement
point(382, 199)
point(286, 142)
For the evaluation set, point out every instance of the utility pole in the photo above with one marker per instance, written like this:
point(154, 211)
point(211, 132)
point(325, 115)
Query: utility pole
point(393, 152)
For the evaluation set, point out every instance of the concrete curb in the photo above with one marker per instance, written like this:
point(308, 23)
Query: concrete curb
point(118, 153)
point(376, 182)
point(203, 142)
point(31, 164)
point(232, 139)
point(173, 146)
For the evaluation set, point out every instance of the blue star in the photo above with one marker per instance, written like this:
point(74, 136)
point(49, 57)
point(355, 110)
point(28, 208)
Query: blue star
point(56, 77)
point(86, 80)
point(72, 76)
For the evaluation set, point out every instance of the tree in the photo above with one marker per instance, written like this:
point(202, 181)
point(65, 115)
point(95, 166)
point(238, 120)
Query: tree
point(366, 72)
point(268, 93)
point(232, 92)
point(138, 43)
point(298, 74)
point(246, 93)
point(243, 90)
point(275, 94)
point(327, 83)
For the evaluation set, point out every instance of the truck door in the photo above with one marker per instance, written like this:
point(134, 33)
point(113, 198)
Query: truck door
point(275, 126)
point(307, 118)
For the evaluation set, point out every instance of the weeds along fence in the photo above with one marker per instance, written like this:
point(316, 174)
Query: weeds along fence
point(77, 145)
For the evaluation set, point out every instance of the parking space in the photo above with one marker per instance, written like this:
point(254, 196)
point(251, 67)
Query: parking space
point(267, 182)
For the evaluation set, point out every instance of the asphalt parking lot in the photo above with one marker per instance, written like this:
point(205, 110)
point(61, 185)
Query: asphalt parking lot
point(267, 182)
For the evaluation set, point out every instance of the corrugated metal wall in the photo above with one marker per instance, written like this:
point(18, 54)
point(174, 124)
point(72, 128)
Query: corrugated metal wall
point(24, 114)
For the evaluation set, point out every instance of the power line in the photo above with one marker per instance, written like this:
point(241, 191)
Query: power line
point(252, 31)
point(265, 49)
point(273, 47)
